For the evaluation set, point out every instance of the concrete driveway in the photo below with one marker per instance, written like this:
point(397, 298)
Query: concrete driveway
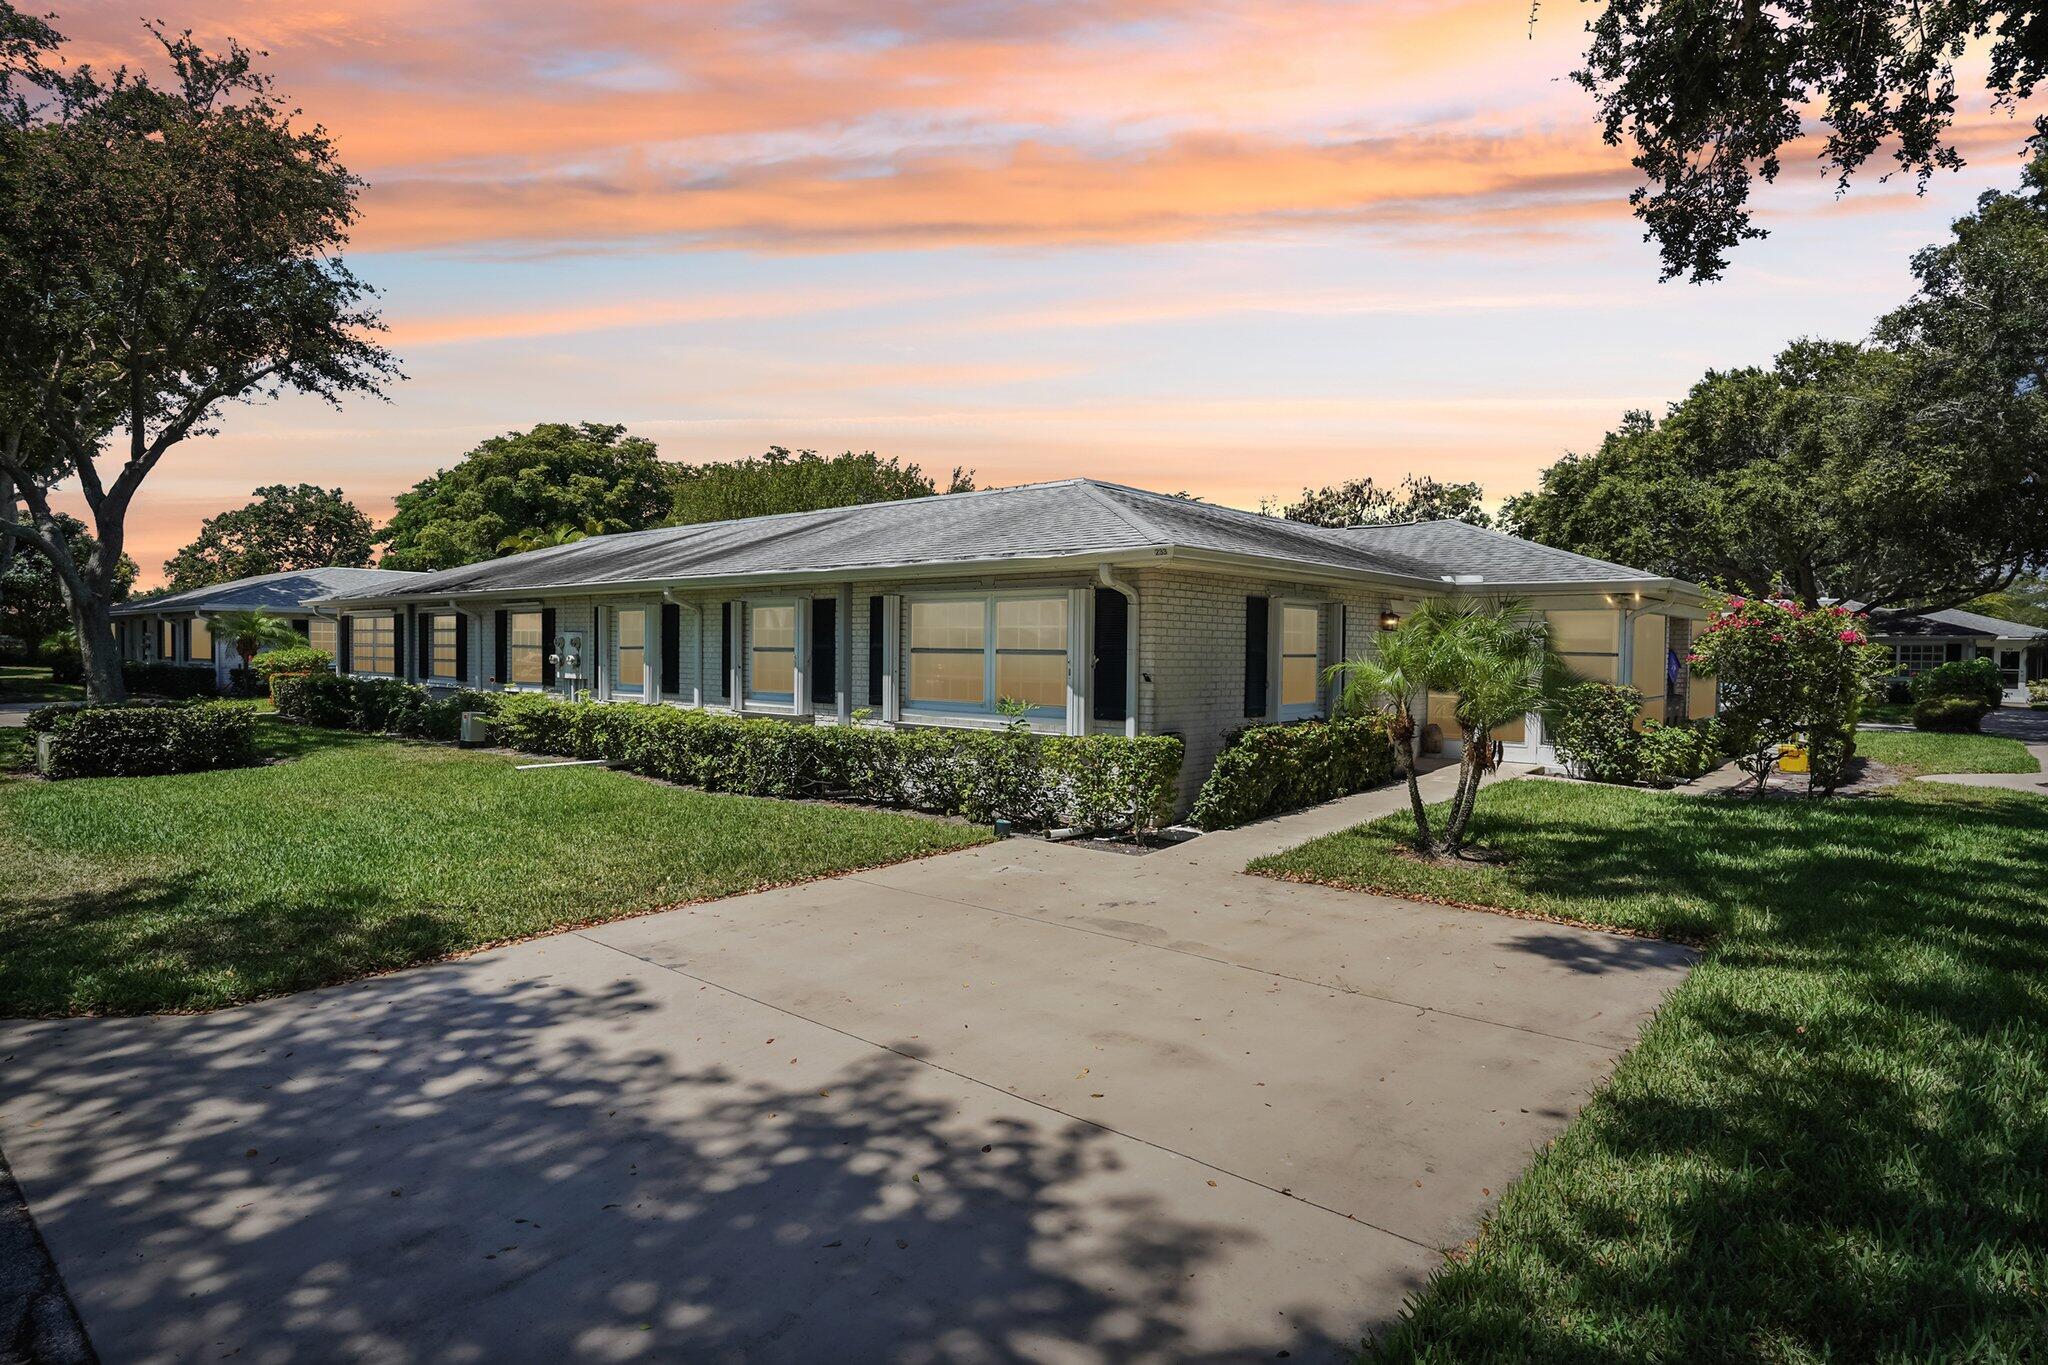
point(1024, 1102)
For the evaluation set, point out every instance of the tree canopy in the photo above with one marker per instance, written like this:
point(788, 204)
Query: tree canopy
point(284, 527)
point(32, 603)
point(169, 244)
point(1910, 470)
point(585, 476)
point(1711, 96)
point(798, 481)
point(1362, 502)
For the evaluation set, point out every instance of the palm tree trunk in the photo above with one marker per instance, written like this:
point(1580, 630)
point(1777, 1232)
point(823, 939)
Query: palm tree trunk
point(1472, 762)
point(1425, 843)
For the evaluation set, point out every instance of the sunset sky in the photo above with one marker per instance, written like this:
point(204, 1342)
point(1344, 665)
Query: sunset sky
point(1235, 246)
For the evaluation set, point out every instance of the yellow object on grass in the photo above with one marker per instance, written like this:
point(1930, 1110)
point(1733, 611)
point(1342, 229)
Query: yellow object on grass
point(1792, 759)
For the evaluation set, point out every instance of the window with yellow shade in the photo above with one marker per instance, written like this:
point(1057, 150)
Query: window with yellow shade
point(1300, 662)
point(972, 654)
point(771, 652)
point(1649, 663)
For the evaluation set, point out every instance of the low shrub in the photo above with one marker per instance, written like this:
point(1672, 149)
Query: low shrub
point(147, 740)
point(292, 659)
point(2037, 692)
point(1973, 678)
point(1266, 769)
point(1950, 715)
point(374, 705)
point(1592, 726)
point(1094, 782)
point(160, 679)
point(1670, 754)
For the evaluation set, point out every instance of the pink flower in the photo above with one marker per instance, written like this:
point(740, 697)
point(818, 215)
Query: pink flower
point(1737, 603)
point(1850, 637)
point(1776, 638)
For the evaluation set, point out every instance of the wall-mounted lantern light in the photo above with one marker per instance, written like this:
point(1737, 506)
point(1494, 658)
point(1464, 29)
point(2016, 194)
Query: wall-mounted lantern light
point(1389, 619)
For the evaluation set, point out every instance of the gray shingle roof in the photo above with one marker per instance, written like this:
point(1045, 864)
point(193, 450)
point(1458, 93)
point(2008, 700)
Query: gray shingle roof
point(1069, 519)
point(1955, 622)
point(287, 591)
point(1454, 547)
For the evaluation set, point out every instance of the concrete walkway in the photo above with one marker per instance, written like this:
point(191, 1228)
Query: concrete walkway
point(2035, 783)
point(1024, 1102)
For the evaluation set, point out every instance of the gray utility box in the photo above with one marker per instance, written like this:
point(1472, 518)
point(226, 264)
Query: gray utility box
point(476, 730)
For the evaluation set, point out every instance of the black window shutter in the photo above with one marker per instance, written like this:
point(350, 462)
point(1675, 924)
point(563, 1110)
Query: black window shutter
point(671, 647)
point(1955, 650)
point(345, 644)
point(825, 650)
point(398, 664)
point(1255, 656)
point(462, 648)
point(502, 626)
point(547, 646)
point(724, 648)
point(876, 640)
point(425, 647)
point(1112, 640)
point(303, 627)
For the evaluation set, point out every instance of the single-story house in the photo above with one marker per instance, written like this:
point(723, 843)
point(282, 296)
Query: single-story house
point(1922, 640)
point(1094, 606)
point(176, 627)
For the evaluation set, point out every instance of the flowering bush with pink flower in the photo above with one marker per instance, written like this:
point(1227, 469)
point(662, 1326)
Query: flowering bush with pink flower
point(1789, 674)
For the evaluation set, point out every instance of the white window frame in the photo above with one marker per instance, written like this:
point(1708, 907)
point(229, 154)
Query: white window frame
point(355, 644)
point(1039, 717)
point(1296, 710)
point(1928, 654)
point(649, 621)
point(778, 701)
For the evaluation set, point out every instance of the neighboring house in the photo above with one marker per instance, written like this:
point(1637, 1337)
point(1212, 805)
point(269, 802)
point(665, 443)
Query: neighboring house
point(1098, 607)
point(176, 627)
point(1919, 642)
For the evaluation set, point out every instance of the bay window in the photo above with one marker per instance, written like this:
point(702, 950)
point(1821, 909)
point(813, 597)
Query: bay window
point(970, 654)
point(771, 652)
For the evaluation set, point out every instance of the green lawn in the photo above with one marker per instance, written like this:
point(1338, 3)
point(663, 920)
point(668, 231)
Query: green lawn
point(19, 683)
point(1917, 752)
point(360, 854)
point(1832, 1141)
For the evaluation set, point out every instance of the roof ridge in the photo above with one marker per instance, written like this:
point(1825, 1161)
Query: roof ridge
point(1138, 521)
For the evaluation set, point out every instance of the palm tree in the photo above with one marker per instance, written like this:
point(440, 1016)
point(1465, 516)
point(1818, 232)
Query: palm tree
point(252, 629)
point(1492, 658)
point(1392, 683)
point(533, 538)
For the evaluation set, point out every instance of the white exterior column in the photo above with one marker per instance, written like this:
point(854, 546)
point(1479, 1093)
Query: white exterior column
point(892, 658)
point(800, 660)
point(842, 655)
point(1080, 659)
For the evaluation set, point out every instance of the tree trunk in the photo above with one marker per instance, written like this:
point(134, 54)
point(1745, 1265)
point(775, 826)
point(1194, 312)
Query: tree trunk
point(1425, 843)
point(91, 617)
point(1473, 764)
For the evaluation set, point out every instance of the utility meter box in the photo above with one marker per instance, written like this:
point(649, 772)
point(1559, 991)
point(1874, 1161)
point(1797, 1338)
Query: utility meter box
point(568, 656)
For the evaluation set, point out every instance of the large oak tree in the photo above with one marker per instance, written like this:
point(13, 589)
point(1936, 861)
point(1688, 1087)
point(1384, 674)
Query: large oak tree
point(283, 527)
point(1712, 94)
point(168, 246)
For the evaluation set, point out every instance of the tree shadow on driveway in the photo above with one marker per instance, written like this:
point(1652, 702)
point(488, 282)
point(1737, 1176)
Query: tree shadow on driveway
point(467, 1163)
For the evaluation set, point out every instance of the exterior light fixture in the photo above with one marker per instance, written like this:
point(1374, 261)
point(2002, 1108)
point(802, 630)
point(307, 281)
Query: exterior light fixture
point(1389, 619)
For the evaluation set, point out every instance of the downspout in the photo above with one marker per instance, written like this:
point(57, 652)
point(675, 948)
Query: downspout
point(1130, 592)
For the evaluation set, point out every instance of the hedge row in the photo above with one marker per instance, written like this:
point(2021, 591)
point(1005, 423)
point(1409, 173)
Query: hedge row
point(1267, 769)
point(170, 680)
point(145, 740)
point(1094, 782)
point(375, 705)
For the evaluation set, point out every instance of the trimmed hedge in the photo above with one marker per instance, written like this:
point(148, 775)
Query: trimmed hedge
point(1976, 679)
point(1094, 782)
point(374, 705)
point(146, 740)
point(292, 659)
point(1266, 769)
point(1950, 714)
